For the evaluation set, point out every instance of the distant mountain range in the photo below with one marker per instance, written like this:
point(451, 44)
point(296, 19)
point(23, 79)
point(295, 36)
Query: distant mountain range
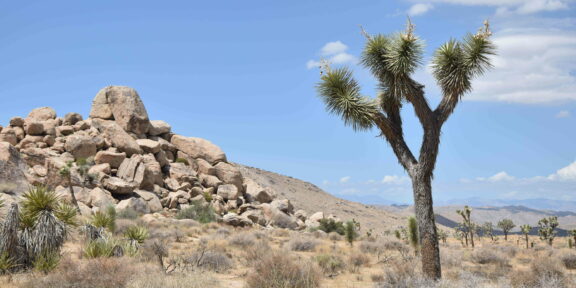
point(536, 203)
point(447, 216)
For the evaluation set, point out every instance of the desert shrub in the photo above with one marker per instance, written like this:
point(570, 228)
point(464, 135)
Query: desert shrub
point(357, 260)
point(370, 247)
point(509, 251)
point(197, 211)
point(488, 256)
point(256, 252)
point(99, 273)
point(99, 248)
point(7, 263)
point(399, 274)
point(543, 272)
point(175, 280)
point(569, 260)
point(333, 236)
point(330, 225)
point(450, 258)
point(329, 263)
point(46, 262)
point(281, 270)
point(351, 229)
point(210, 260)
point(243, 240)
point(223, 231)
point(302, 244)
point(127, 213)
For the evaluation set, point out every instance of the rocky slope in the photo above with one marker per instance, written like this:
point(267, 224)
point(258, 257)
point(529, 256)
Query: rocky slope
point(140, 164)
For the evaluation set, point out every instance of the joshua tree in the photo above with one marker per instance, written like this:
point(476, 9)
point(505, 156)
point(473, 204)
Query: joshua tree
point(81, 167)
point(526, 230)
point(547, 228)
point(467, 222)
point(488, 230)
point(413, 234)
point(351, 229)
point(506, 225)
point(393, 59)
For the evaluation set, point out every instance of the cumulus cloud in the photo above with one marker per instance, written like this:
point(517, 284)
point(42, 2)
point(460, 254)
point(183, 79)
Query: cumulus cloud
point(532, 67)
point(567, 173)
point(334, 53)
point(563, 114)
point(394, 179)
point(501, 176)
point(419, 9)
point(345, 179)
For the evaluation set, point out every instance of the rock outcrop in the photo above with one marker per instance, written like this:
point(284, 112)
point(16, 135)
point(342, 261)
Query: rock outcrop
point(137, 164)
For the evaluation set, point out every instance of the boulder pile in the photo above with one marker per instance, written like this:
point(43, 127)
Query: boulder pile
point(138, 164)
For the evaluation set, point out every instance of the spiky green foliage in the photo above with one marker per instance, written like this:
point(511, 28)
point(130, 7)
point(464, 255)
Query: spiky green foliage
point(547, 229)
point(506, 225)
point(136, 234)
point(413, 233)
point(46, 262)
point(341, 94)
point(7, 263)
point(100, 248)
point(351, 229)
point(330, 225)
point(67, 214)
point(525, 229)
point(106, 220)
point(488, 230)
point(397, 234)
point(37, 200)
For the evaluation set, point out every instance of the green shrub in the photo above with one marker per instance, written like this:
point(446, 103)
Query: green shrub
point(6, 263)
point(197, 211)
point(331, 225)
point(182, 160)
point(351, 231)
point(330, 264)
point(208, 197)
point(46, 262)
point(99, 248)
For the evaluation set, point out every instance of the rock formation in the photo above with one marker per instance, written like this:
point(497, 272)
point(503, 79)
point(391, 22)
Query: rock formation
point(139, 164)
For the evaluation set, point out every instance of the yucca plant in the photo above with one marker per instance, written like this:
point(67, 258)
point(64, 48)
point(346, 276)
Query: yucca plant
point(136, 235)
point(9, 243)
point(103, 247)
point(393, 59)
point(104, 220)
point(80, 167)
point(7, 263)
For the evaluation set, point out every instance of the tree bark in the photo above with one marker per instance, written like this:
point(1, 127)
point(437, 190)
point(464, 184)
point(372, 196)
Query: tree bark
point(505, 235)
point(74, 201)
point(526, 237)
point(424, 211)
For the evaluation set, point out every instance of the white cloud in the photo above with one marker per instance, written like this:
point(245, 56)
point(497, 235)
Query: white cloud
point(563, 114)
point(567, 173)
point(394, 179)
point(333, 48)
point(510, 6)
point(501, 176)
point(335, 53)
point(419, 9)
point(532, 67)
point(345, 179)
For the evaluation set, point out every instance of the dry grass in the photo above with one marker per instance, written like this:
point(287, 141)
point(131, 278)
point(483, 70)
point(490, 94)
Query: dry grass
point(280, 269)
point(302, 244)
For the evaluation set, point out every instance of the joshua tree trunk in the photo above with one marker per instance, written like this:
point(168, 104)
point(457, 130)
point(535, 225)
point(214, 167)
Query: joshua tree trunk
point(426, 225)
point(505, 235)
point(74, 201)
point(526, 238)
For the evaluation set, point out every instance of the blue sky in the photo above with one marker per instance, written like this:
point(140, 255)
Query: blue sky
point(241, 74)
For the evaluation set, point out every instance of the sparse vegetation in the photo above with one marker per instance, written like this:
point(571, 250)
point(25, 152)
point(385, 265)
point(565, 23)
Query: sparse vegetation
point(506, 225)
point(197, 211)
point(547, 229)
point(280, 270)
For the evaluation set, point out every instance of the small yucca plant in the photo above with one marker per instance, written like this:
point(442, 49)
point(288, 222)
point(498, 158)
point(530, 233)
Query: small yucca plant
point(136, 234)
point(104, 220)
point(99, 248)
point(7, 263)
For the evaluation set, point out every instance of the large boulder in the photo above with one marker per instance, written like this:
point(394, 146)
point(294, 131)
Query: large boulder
point(159, 127)
point(152, 199)
point(72, 118)
point(149, 146)
point(228, 192)
point(135, 203)
point(12, 170)
point(110, 157)
point(101, 198)
point(199, 148)
point(135, 171)
point(42, 114)
point(80, 146)
point(118, 186)
point(123, 104)
point(117, 137)
point(181, 172)
point(236, 220)
point(283, 205)
point(229, 174)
